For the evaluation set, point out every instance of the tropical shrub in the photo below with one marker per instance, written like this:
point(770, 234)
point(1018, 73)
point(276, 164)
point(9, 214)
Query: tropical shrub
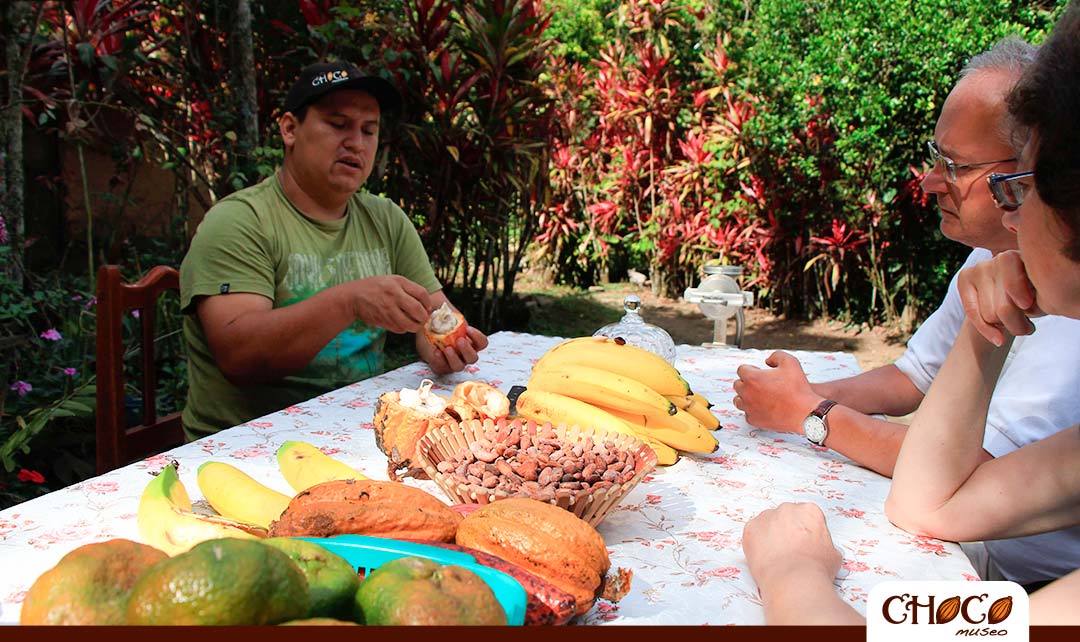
point(850, 93)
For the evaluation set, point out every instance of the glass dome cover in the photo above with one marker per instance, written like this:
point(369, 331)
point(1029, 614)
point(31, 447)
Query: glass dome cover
point(635, 331)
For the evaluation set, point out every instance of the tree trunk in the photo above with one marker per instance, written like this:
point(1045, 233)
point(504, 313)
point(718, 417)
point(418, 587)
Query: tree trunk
point(12, 180)
point(246, 96)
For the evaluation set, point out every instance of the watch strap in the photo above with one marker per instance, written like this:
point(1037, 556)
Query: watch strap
point(823, 408)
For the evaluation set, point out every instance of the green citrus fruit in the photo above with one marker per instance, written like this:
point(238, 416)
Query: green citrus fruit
point(416, 590)
point(221, 582)
point(332, 581)
point(319, 621)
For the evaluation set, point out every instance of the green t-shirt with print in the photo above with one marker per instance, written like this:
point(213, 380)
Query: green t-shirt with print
point(256, 241)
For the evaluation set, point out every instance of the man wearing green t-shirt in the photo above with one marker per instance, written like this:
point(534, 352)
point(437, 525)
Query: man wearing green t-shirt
point(290, 286)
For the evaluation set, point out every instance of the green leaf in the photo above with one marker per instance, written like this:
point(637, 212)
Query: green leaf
point(86, 53)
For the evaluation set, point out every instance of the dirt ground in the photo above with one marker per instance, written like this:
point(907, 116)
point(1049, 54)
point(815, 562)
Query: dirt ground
point(872, 347)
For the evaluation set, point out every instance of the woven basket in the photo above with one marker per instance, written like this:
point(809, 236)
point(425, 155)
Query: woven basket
point(590, 504)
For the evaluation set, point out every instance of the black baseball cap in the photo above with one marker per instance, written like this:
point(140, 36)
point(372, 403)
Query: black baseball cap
point(320, 79)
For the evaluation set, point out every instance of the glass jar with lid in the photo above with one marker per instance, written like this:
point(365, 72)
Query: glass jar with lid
point(634, 330)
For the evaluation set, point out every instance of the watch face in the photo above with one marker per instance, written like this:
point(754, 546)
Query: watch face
point(814, 429)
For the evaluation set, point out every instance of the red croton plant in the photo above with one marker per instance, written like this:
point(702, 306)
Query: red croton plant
point(647, 162)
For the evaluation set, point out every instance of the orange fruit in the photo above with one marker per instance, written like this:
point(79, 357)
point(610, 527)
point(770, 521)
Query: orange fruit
point(90, 585)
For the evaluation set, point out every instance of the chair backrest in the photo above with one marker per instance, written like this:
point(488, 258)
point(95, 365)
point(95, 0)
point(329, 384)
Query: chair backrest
point(117, 443)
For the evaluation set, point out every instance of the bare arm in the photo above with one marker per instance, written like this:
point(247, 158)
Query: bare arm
point(252, 341)
point(940, 486)
point(780, 398)
point(884, 390)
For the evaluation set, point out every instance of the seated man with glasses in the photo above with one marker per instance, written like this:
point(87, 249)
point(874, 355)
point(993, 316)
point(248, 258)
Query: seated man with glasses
point(1037, 392)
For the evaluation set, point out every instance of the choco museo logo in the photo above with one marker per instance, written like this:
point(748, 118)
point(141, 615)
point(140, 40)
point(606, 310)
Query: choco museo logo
point(908, 608)
point(330, 76)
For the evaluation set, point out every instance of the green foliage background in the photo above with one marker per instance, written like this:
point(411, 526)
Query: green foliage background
point(846, 93)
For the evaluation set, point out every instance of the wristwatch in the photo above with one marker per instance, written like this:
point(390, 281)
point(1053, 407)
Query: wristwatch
point(814, 426)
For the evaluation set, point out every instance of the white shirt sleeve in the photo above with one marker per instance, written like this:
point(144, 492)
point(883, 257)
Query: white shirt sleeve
point(928, 347)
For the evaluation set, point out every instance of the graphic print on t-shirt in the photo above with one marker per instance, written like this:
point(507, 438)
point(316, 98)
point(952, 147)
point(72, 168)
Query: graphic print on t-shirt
point(349, 356)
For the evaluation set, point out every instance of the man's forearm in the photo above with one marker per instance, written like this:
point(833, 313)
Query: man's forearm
point(266, 345)
point(884, 390)
point(869, 441)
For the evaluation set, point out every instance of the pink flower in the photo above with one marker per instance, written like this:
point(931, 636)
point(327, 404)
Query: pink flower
point(91, 302)
point(21, 387)
point(51, 334)
point(856, 567)
point(31, 476)
point(71, 372)
point(101, 486)
point(725, 572)
point(135, 313)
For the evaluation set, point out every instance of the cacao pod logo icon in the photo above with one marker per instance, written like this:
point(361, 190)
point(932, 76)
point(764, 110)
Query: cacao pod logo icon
point(948, 610)
point(1000, 610)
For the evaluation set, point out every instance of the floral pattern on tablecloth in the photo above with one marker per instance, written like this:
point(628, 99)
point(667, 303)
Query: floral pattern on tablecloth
point(679, 530)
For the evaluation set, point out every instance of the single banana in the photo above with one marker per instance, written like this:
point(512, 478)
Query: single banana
point(701, 412)
point(167, 522)
point(621, 358)
point(665, 454)
point(682, 402)
point(700, 399)
point(236, 495)
point(543, 406)
point(681, 431)
point(602, 388)
point(303, 466)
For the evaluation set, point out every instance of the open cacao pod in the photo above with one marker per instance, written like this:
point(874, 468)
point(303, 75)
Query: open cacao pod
point(403, 417)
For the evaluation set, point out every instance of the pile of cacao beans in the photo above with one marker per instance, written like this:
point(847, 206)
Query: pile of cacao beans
point(534, 462)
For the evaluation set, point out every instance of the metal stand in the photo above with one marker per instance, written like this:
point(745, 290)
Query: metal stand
point(720, 297)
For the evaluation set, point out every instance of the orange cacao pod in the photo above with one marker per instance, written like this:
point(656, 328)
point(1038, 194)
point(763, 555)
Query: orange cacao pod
point(544, 539)
point(367, 507)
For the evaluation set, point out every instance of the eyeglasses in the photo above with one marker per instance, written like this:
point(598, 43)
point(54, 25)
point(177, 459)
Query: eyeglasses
point(1007, 189)
point(951, 166)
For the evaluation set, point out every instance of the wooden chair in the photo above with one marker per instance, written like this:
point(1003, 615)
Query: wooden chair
point(117, 443)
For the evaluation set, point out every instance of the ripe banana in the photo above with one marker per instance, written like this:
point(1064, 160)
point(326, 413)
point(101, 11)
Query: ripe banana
point(702, 413)
point(700, 399)
point(304, 465)
point(166, 521)
point(603, 388)
point(621, 358)
point(237, 496)
point(541, 406)
point(665, 454)
point(682, 402)
point(695, 405)
point(681, 431)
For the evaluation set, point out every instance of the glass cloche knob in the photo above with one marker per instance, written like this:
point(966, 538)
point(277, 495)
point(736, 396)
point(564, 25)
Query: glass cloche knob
point(635, 331)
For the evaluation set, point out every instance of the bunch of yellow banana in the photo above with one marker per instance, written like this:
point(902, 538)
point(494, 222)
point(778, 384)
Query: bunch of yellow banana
point(596, 381)
point(167, 522)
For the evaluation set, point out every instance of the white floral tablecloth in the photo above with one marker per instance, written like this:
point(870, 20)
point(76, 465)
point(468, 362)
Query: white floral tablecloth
point(679, 530)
